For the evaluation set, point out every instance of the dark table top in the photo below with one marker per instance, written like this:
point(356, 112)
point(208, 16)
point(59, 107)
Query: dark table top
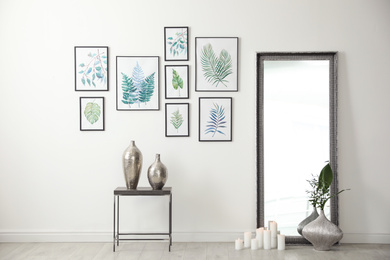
point(143, 191)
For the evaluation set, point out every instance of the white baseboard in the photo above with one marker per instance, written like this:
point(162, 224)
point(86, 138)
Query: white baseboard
point(176, 237)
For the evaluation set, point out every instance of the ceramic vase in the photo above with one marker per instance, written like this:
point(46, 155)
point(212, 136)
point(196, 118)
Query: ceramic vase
point(322, 233)
point(307, 220)
point(132, 165)
point(157, 174)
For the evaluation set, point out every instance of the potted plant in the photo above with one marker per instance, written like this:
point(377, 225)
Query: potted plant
point(321, 232)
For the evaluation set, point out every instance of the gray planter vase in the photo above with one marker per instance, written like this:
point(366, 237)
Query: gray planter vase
point(157, 174)
point(132, 165)
point(307, 220)
point(322, 233)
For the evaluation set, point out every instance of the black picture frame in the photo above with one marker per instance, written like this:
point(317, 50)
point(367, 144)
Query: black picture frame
point(176, 44)
point(91, 64)
point(92, 114)
point(177, 119)
point(215, 119)
point(216, 64)
point(182, 73)
point(132, 74)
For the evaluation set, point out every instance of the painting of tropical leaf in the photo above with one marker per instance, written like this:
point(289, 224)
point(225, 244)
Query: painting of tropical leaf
point(146, 89)
point(177, 119)
point(130, 95)
point(217, 120)
point(215, 69)
point(92, 112)
point(177, 81)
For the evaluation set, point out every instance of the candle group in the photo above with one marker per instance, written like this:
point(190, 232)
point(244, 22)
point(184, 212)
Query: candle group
point(265, 239)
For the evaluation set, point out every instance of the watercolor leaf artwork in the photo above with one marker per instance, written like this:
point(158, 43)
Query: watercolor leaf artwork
point(177, 119)
point(92, 112)
point(178, 43)
point(94, 70)
point(216, 69)
point(217, 116)
point(177, 81)
point(137, 89)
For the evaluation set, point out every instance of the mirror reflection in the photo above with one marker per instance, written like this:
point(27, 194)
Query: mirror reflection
point(296, 137)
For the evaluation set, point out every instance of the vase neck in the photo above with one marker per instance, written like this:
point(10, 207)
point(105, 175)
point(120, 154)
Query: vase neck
point(132, 143)
point(157, 157)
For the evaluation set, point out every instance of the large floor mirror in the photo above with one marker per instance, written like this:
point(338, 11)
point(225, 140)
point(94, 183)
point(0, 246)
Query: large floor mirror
point(296, 135)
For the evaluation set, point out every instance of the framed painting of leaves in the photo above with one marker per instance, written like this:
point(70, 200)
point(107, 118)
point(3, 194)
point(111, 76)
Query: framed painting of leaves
point(177, 120)
point(216, 64)
point(91, 68)
point(215, 119)
point(91, 113)
point(137, 83)
point(176, 82)
point(176, 43)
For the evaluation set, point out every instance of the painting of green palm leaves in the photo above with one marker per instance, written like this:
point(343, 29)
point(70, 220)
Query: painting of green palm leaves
point(176, 43)
point(215, 119)
point(176, 119)
point(137, 83)
point(91, 113)
point(216, 64)
point(176, 81)
point(91, 64)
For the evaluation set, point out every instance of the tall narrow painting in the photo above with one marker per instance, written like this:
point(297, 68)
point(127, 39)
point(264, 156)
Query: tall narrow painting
point(176, 43)
point(91, 68)
point(137, 82)
point(215, 119)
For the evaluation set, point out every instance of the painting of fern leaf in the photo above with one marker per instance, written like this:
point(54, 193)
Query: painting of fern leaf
point(216, 69)
point(137, 83)
point(177, 119)
point(217, 120)
point(130, 95)
point(146, 89)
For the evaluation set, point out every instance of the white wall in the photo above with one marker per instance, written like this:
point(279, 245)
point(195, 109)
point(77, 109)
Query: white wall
point(56, 182)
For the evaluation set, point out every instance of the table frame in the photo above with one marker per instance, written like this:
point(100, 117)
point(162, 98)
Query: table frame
point(140, 191)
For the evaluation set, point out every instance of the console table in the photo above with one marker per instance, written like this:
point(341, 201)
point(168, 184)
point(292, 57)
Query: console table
point(140, 191)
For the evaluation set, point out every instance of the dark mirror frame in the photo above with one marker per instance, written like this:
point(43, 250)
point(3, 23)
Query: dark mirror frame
point(288, 56)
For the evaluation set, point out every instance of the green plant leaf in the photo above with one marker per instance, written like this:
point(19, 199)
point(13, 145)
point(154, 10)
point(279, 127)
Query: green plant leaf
point(177, 81)
point(130, 94)
point(147, 88)
point(92, 112)
point(215, 69)
point(326, 177)
point(177, 119)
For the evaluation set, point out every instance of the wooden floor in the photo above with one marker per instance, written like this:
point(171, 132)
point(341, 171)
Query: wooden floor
point(196, 251)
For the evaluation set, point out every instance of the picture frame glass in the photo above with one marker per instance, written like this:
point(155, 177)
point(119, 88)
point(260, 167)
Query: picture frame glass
point(176, 81)
point(177, 119)
point(215, 119)
point(176, 43)
point(91, 68)
point(91, 113)
point(137, 83)
point(216, 64)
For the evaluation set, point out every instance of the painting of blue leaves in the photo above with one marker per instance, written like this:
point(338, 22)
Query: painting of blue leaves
point(137, 83)
point(176, 43)
point(91, 68)
point(215, 119)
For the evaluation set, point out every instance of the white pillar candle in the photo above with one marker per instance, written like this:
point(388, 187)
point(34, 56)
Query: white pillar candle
point(247, 239)
point(260, 236)
point(239, 244)
point(273, 242)
point(274, 229)
point(254, 244)
point(281, 242)
point(267, 239)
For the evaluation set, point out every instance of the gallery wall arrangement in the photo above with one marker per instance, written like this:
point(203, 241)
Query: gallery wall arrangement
point(137, 83)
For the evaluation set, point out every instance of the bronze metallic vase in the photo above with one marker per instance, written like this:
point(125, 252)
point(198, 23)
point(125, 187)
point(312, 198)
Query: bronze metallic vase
point(132, 165)
point(157, 174)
